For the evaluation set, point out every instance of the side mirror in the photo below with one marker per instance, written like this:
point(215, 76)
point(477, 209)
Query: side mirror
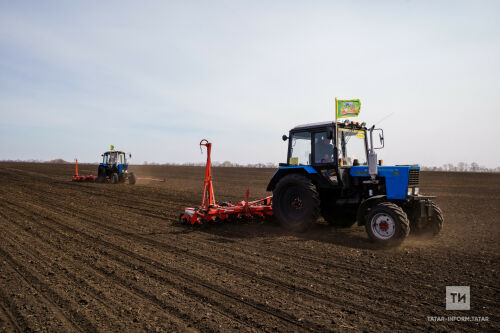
point(284, 137)
point(129, 155)
point(381, 138)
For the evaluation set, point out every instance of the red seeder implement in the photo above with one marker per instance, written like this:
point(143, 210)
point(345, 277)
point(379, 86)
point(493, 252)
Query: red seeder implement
point(77, 178)
point(209, 211)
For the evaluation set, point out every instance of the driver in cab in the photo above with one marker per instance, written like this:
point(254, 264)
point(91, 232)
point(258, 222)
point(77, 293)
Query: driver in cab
point(324, 150)
point(112, 159)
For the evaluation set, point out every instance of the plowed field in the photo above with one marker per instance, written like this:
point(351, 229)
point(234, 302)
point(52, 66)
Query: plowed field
point(102, 257)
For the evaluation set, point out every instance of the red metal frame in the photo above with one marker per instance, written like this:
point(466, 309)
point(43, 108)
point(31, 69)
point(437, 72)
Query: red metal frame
point(77, 178)
point(209, 211)
point(208, 189)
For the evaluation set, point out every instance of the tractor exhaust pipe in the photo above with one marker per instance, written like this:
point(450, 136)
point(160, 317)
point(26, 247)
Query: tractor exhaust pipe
point(372, 158)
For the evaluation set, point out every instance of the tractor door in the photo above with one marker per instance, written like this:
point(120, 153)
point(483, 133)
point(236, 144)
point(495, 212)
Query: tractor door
point(299, 148)
point(324, 155)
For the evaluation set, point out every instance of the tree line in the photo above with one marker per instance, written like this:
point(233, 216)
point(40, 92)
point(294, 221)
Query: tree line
point(461, 167)
point(225, 164)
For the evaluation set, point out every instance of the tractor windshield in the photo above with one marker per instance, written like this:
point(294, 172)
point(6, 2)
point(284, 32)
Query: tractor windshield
point(352, 147)
point(110, 158)
point(114, 157)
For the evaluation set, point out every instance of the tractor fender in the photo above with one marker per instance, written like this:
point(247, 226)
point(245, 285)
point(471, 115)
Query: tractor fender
point(366, 205)
point(283, 171)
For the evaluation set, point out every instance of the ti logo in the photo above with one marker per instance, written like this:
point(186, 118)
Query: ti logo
point(458, 298)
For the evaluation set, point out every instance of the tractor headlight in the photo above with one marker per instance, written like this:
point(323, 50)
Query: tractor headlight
point(413, 190)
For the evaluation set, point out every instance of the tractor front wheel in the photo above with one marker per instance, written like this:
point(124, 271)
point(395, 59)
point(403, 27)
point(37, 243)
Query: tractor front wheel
point(114, 178)
point(387, 224)
point(131, 178)
point(434, 223)
point(296, 202)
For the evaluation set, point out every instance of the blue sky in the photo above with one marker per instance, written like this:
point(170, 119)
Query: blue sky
point(154, 77)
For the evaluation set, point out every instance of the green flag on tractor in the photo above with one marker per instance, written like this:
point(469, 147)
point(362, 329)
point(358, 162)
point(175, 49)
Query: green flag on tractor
point(347, 108)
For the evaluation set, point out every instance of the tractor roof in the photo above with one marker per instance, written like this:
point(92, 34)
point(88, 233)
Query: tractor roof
point(114, 151)
point(312, 125)
point(322, 124)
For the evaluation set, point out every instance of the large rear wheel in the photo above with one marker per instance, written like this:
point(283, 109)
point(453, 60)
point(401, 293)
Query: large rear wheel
point(101, 174)
point(296, 202)
point(387, 224)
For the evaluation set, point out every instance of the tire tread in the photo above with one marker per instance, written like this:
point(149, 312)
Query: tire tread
point(401, 216)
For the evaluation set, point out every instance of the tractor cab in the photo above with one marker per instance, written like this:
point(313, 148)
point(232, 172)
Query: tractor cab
point(316, 145)
point(114, 158)
point(322, 149)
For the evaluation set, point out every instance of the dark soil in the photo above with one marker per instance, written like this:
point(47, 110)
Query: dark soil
point(102, 257)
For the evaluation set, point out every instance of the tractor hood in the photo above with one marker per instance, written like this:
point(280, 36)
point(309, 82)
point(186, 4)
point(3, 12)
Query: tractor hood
point(397, 178)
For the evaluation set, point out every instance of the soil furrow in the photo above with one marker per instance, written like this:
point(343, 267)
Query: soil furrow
point(126, 284)
point(187, 280)
point(84, 280)
point(57, 301)
point(16, 320)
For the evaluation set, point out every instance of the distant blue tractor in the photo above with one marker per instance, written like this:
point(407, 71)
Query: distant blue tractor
point(332, 171)
point(114, 168)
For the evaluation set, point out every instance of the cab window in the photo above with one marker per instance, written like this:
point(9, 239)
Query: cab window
point(323, 148)
point(352, 147)
point(300, 149)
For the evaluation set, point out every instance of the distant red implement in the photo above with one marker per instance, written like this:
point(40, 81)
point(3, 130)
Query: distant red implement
point(76, 178)
point(210, 211)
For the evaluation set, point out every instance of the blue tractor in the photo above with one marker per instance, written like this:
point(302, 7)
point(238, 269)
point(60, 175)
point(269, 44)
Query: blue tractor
point(114, 167)
point(332, 171)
